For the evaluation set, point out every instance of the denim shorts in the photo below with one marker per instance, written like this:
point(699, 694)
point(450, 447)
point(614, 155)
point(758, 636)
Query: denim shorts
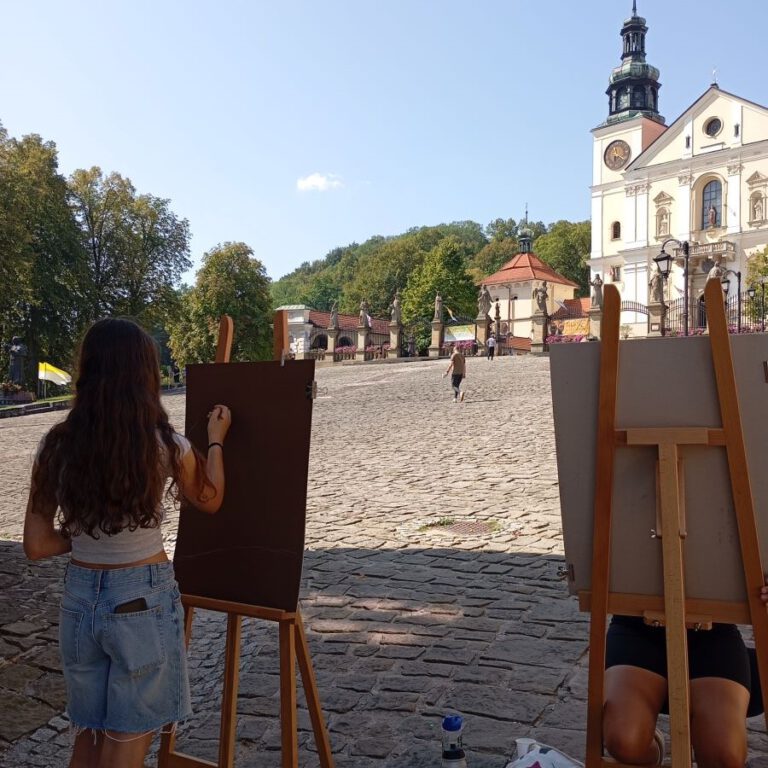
point(124, 672)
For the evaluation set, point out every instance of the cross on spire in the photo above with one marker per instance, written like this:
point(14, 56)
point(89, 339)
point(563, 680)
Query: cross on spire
point(634, 7)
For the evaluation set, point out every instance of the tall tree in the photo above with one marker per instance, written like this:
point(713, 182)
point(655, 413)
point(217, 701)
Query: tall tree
point(566, 247)
point(232, 282)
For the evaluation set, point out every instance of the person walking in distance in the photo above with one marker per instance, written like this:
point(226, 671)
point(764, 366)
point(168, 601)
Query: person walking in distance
point(491, 346)
point(458, 366)
point(98, 483)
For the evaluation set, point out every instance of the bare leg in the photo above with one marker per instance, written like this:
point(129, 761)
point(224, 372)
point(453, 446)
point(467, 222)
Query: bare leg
point(125, 750)
point(633, 700)
point(719, 722)
point(87, 750)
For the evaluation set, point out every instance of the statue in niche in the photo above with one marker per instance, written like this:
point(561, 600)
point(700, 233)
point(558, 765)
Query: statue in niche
point(597, 292)
point(438, 307)
point(540, 296)
point(18, 352)
point(483, 302)
point(757, 209)
point(712, 216)
point(656, 284)
point(334, 320)
point(663, 223)
point(395, 310)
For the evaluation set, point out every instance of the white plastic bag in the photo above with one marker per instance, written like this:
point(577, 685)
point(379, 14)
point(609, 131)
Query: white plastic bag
point(532, 754)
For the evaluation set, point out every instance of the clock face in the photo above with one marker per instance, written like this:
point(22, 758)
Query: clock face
point(617, 155)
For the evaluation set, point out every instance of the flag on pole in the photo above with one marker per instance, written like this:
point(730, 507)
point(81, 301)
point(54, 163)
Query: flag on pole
point(48, 372)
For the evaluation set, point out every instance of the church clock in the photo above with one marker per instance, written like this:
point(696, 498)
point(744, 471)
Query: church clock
point(617, 155)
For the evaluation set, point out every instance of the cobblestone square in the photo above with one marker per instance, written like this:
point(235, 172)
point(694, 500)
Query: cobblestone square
point(408, 614)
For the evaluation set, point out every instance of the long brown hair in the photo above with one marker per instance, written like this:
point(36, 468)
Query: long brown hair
point(106, 464)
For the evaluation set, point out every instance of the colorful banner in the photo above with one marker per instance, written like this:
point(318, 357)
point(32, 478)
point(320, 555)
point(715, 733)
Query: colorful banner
point(576, 326)
point(454, 333)
point(48, 372)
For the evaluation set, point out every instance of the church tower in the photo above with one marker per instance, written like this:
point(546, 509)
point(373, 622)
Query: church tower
point(633, 89)
point(619, 215)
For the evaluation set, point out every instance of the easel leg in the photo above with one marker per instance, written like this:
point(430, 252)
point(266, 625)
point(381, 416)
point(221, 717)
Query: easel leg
point(313, 699)
point(229, 697)
point(288, 717)
point(168, 740)
point(674, 607)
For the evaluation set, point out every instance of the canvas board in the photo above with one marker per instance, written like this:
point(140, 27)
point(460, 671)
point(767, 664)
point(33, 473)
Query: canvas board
point(666, 382)
point(251, 551)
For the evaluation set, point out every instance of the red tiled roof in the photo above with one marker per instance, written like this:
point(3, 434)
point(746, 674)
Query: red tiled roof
point(346, 322)
point(573, 308)
point(526, 266)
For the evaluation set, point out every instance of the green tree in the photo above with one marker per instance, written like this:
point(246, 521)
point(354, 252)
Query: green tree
point(232, 282)
point(566, 247)
point(443, 271)
point(493, 257)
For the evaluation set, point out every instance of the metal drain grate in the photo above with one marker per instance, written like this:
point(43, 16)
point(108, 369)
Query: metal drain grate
point(469, 528)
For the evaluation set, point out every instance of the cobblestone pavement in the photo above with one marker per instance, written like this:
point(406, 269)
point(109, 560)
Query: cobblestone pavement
point(405, 621)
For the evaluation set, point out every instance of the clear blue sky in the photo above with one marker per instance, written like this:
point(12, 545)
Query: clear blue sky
point(411, 112)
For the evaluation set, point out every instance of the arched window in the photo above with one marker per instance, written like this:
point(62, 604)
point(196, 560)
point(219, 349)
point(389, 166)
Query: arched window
point(616, 230)
point(662, 222)
point(712, 199)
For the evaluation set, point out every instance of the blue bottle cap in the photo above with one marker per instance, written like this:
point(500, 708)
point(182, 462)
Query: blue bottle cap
point(452, 723)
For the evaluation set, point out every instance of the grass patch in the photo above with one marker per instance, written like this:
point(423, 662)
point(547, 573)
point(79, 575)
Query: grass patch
point(443, 522)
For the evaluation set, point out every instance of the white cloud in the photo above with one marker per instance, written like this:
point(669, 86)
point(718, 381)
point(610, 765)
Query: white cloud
point(319, 182)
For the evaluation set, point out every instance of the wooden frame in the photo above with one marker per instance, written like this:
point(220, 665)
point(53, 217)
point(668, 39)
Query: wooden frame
point(673, 610)
point(292, 643)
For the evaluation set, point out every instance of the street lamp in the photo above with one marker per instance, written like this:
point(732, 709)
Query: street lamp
point(725, 282)
point(664, 261)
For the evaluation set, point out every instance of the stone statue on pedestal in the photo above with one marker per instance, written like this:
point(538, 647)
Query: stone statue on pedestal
point(438, 307)
point(483, 302)
point(334, 320)
point(363, 320)
point(716, 272)
point(597, 292)
point(656, 285)
point(396, 313)
point(540, 296)
point(18, 351)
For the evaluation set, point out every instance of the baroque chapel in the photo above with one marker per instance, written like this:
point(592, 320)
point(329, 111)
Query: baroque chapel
point(703, 179)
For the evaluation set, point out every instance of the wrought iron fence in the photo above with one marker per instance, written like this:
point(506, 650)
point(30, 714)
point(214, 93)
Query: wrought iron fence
point(743, 315)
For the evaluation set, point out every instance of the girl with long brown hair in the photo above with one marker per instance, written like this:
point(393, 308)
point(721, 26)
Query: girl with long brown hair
point(97, 488)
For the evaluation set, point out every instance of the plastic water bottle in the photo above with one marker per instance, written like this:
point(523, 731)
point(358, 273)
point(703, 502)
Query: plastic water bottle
point(453, 754)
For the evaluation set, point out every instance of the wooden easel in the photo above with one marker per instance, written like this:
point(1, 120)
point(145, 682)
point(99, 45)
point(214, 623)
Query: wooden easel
point(292, 643)
point(673, 609)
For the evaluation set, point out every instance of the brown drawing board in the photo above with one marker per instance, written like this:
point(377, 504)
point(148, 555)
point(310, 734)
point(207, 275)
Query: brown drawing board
point(251, 551)
point(662, 383)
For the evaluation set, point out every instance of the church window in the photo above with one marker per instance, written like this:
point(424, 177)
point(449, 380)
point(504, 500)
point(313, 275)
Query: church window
point(713, 127)
point(687, 142)
point(712, 200)
point(662, 222)
point(616, 230)
point(736, 130)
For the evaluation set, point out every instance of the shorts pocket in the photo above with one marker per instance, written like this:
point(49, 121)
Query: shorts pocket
point(135, 641)
point(69, 635)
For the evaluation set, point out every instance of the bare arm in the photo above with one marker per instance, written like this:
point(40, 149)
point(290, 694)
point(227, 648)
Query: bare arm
point(218, 426)
point(41, 537)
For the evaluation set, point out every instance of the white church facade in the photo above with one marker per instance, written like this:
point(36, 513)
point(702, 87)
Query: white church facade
point(702, 179)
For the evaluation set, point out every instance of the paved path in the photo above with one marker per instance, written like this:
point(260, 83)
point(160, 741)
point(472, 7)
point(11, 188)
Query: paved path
point(405, 621)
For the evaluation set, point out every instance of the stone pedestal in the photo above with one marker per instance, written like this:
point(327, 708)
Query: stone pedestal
point(656, 319)
point(333, 335)
point(595, 315)
point(437, 338)
point(540, 323)
point(395, 340)
point(363, 338)
point(483, 330)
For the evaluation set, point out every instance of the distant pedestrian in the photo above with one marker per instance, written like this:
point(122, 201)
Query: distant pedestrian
point(176, 373)
point(459, 367)
point(491, 347)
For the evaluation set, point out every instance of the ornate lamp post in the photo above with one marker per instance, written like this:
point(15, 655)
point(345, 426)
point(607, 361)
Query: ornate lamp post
point(664, 261)
point(725, 282)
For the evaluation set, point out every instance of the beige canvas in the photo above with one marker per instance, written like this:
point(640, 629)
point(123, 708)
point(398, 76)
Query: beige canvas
point(662, 383)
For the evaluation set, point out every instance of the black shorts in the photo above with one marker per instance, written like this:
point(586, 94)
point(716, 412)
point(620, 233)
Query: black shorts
point(717, 652)
point(456, 379)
